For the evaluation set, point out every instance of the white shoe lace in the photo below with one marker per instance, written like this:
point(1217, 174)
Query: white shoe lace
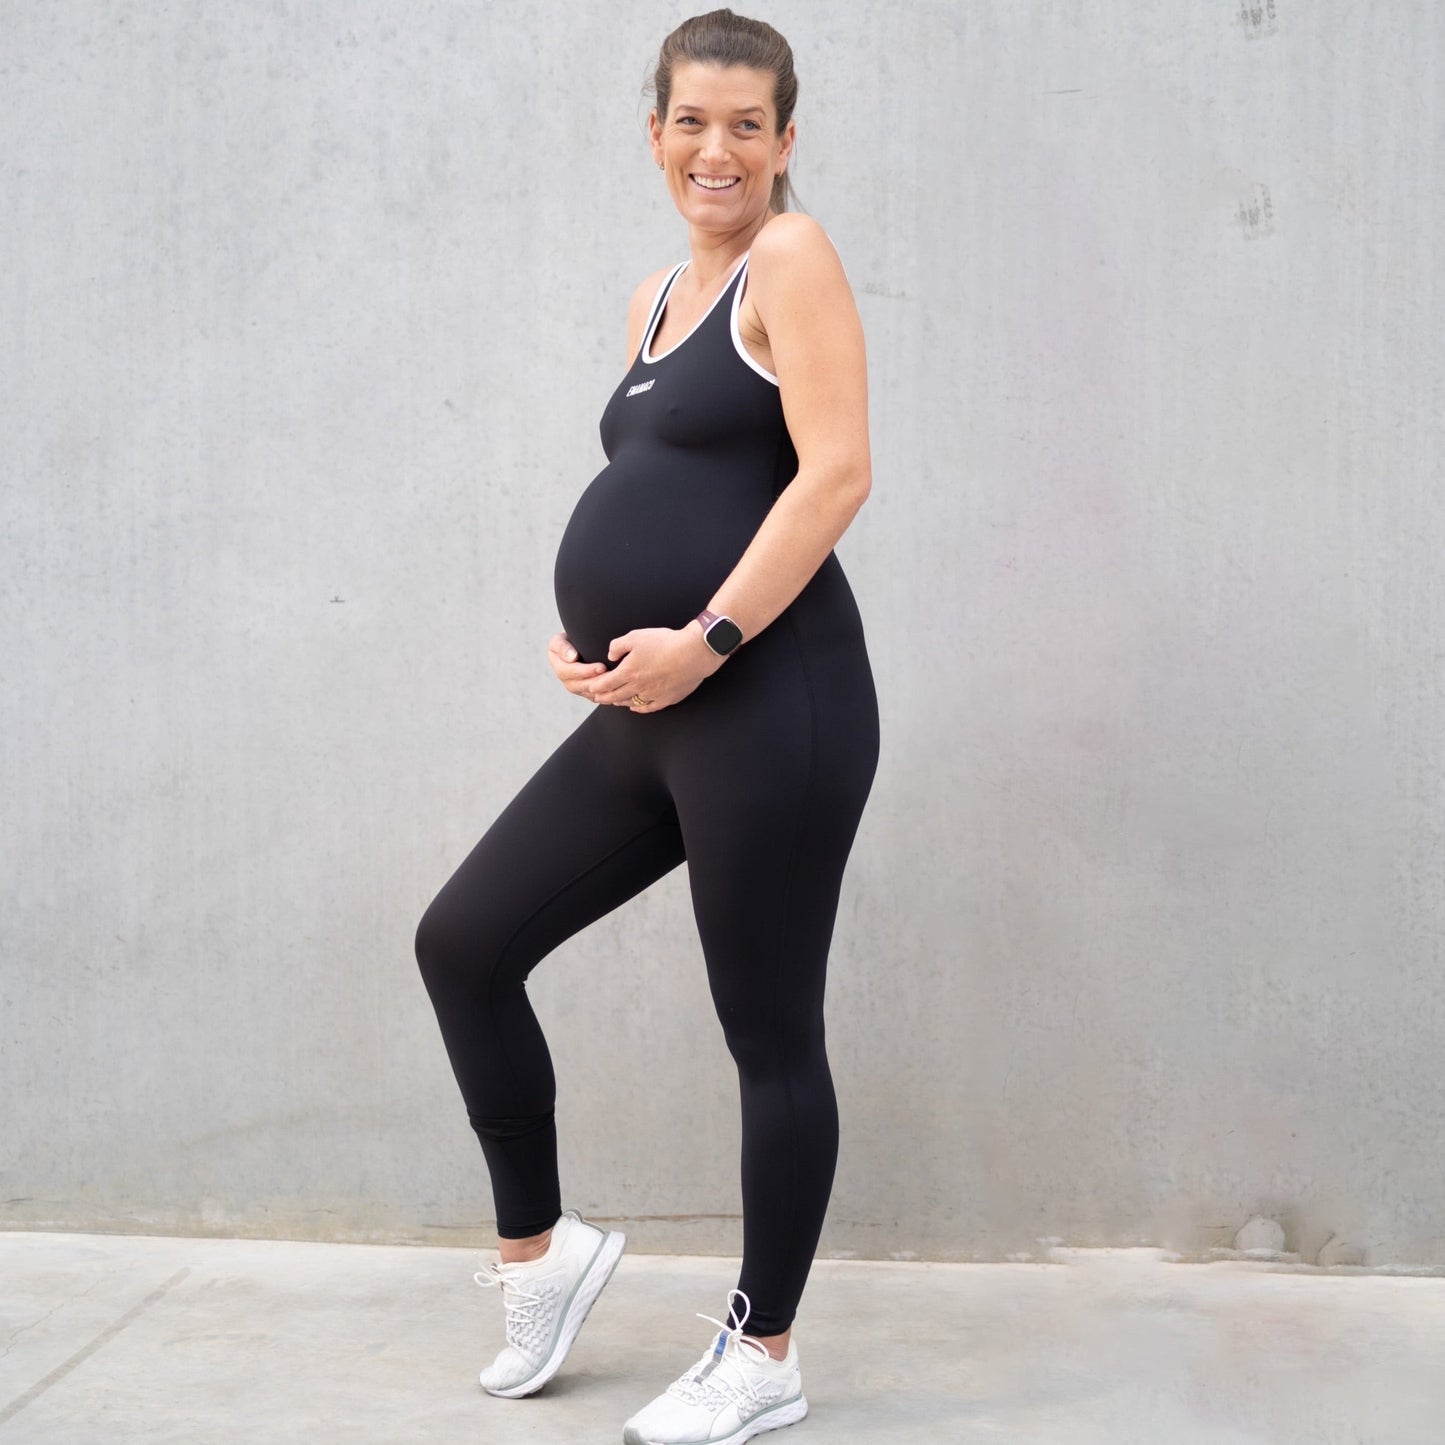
point(698, 1387)
point(524, 1309)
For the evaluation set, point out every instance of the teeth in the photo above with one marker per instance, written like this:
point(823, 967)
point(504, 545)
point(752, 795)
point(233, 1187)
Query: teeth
point(715, 183)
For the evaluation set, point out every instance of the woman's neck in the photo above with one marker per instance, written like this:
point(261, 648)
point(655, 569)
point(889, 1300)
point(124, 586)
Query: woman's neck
point(713, 255)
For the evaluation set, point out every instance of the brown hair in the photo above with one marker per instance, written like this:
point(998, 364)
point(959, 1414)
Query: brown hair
point(722, 38)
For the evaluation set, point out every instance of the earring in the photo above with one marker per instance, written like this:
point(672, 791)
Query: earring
point(661, 166)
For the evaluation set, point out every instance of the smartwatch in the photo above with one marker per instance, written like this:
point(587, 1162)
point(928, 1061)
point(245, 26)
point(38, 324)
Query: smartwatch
point(721, 634)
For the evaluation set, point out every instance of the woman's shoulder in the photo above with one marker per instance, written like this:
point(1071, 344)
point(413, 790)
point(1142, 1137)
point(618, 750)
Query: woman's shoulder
point(793, 256)
point(791, 239)
point(794, 250)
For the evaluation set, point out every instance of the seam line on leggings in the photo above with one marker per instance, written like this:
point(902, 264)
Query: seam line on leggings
point(787, 958)
point(546, 903)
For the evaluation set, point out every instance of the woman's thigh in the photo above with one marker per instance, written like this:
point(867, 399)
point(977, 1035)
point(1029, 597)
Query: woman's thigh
point(590, 829)
point(769, 789)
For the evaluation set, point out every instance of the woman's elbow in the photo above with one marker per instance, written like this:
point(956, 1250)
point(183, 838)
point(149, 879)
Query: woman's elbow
point(856, 483)
point(839, 483)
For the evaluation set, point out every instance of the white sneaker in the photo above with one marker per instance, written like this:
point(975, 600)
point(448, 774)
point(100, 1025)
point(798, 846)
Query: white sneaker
point(546, 1301)
point(737, 1390)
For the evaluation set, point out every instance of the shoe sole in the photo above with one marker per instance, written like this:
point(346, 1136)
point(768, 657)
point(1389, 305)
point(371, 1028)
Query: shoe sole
point(775, 1417)
point(584, 1295)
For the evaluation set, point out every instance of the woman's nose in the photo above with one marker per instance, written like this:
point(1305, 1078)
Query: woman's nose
point(714, 145)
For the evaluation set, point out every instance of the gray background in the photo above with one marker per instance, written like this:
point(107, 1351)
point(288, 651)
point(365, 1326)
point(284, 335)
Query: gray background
point(309, 314)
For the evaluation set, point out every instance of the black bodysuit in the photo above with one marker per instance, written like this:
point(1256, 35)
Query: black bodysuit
point(757, 778)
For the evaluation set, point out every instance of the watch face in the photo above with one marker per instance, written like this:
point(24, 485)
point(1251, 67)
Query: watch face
point(724, 635)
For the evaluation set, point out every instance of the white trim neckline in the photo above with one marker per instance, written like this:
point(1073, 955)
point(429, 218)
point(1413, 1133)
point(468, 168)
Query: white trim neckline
point(646, 353)
point(737, 335)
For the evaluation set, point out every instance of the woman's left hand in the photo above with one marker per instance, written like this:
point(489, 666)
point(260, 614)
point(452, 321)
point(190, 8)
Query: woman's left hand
point(659, 664)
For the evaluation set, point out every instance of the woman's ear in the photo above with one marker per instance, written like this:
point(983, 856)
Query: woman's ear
point(654, 135)
point(785, 146)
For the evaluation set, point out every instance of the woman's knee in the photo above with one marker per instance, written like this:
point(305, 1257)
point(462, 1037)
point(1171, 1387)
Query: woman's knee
point(447, 946)
point(765, 1045)
point(468, 940)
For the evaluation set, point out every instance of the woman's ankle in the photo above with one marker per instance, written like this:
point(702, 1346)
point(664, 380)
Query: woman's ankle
point(775, 1345)
point(524, 1251)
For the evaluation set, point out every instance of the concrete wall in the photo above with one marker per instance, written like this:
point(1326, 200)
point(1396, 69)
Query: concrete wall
point(309, 312)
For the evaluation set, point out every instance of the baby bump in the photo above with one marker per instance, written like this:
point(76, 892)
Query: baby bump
point(645, 551)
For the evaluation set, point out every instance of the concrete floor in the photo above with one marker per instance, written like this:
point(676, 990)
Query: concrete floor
point(107, 1340)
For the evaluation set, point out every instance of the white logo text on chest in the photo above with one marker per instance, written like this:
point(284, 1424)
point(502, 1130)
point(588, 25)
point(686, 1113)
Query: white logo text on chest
point(641, 386)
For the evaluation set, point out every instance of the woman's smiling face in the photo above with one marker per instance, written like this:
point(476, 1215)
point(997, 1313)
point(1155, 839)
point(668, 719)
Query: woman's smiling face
point(719, 145)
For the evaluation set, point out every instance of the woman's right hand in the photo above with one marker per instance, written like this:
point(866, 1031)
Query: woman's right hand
point(575, 676)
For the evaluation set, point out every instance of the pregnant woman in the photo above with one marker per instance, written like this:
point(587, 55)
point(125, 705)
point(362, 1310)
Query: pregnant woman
point(733, 725)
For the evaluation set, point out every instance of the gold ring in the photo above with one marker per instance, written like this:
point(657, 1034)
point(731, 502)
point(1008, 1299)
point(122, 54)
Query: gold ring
point(638, 700)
